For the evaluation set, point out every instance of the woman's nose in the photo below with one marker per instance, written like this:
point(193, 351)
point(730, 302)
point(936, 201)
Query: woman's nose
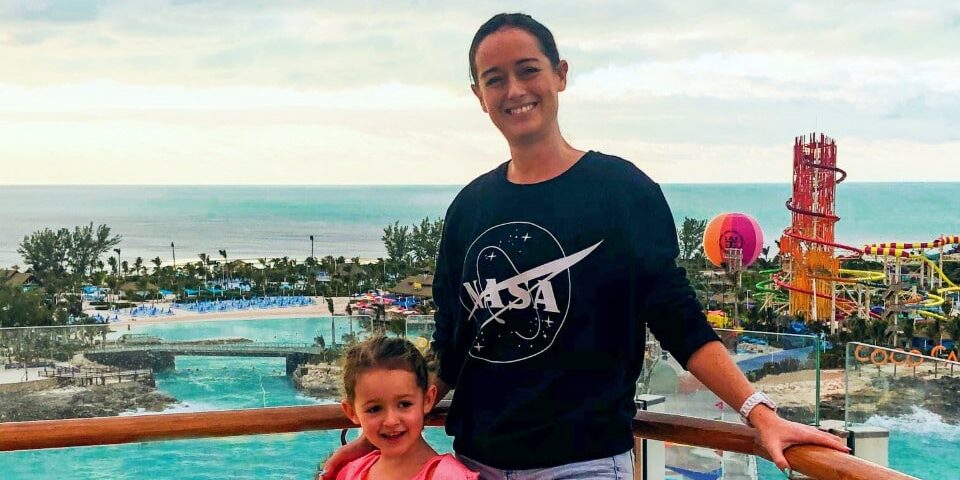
point(515, 88)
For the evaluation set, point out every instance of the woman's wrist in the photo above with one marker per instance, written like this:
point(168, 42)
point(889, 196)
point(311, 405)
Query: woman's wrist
point(762, 415)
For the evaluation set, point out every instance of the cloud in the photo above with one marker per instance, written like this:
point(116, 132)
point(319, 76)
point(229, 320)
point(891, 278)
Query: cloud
point(694, 91)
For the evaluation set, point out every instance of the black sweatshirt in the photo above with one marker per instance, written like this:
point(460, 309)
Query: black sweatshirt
point(543, 292)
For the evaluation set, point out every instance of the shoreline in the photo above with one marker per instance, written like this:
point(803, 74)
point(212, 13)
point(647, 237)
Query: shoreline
point(318, 309)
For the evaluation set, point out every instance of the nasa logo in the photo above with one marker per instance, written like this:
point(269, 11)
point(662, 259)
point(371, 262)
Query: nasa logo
point(517, 288)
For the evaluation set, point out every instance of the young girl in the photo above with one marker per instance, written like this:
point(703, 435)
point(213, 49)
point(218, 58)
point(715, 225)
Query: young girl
point(387, 394)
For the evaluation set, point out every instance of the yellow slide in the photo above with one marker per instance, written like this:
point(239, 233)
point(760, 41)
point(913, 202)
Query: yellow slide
point(864, 275)
point(936, 300)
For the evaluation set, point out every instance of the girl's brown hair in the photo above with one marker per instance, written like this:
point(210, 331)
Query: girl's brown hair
point(382, 352)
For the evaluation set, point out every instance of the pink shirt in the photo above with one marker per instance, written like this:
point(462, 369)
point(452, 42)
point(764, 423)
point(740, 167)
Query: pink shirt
point(440, 467)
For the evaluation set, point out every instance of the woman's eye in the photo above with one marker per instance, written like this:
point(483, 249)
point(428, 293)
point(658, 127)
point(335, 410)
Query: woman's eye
point(530, 70)
point(493, 81)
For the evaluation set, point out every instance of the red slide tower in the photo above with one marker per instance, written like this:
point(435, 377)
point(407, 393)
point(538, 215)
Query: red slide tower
point(808, 245)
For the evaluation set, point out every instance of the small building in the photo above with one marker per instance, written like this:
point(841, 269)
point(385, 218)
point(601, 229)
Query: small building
point(415, 285)
point(15, 278)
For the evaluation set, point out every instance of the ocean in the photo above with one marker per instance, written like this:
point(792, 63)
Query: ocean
point(268, 221)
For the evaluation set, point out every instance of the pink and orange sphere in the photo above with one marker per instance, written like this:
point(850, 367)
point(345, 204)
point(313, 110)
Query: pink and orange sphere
point(732, 230)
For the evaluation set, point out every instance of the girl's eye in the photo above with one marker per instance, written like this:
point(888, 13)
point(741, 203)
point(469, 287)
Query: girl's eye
point(406, 404)
point(374, 409)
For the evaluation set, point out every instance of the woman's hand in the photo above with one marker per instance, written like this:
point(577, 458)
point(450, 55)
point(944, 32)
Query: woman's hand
point(345, 455)
point(777, 435)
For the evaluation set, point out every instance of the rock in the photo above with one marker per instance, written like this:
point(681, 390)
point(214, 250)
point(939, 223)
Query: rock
point(322, 380)
point(74, 402)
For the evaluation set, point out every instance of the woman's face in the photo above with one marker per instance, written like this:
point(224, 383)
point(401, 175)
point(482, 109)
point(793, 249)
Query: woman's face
point(517, 86)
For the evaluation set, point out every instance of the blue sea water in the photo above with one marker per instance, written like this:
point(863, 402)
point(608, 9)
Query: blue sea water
point(253, 222)
point(205, 384)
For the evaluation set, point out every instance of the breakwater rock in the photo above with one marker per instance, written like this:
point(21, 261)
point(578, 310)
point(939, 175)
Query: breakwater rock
point(77, 402)
point(321, 380)
point(896, 397)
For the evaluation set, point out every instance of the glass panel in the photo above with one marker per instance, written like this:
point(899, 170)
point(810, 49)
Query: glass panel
point(915, 397)
point(157, 365)
point(420, 330)
point(785, 366)
point(286, 456)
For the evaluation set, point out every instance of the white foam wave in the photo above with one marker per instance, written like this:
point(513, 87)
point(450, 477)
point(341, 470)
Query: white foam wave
point(184, 407)
point(919, 422)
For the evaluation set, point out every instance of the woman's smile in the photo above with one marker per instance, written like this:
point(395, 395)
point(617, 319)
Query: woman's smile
point(524, 108)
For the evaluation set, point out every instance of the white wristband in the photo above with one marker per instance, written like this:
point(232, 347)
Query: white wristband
point(751, 402)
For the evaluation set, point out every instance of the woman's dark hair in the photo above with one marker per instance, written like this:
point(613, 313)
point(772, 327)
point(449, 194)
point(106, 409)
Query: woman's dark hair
point(514, 20)
point(382, 352)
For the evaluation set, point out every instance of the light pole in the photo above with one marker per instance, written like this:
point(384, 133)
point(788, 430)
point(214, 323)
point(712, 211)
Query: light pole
point(116, 293)
point(176, 277)
point(313, 267)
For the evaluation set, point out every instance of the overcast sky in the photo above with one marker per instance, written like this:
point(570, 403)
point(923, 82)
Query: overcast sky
point(282, 92)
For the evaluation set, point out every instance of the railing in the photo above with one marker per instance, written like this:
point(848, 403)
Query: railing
point(813, 461)
point(785, 366)
point(280, 347)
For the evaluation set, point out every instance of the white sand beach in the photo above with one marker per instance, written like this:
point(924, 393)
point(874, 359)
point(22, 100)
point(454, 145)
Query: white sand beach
point(319, 308)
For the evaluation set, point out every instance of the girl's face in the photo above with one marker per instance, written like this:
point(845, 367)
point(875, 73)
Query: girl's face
point(517, 86)
point(389, 406)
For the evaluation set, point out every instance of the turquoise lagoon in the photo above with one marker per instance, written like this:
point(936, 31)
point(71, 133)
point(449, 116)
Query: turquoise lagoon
point(204, 384)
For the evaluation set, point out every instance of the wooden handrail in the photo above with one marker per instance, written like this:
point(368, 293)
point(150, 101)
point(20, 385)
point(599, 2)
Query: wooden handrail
point(813, 461)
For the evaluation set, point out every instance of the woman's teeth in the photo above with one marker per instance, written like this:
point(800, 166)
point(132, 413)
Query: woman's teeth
point(521, 109)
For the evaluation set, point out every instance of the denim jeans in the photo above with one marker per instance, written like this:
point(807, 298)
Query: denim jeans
point(617, 467)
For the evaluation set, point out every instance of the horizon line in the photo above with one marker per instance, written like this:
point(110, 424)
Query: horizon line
point(300, 185)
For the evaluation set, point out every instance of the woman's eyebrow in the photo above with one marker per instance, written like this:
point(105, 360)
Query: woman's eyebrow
point(489, 71)
point(494, 69)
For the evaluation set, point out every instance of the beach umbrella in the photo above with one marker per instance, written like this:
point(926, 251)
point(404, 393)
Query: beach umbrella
point(732, 231)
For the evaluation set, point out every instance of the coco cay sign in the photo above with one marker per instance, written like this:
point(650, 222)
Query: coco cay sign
point(899, 356)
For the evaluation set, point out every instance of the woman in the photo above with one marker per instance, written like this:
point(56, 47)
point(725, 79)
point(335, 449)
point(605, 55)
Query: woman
point(550, 267)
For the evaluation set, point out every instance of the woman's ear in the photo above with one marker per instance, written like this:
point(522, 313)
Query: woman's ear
point(429, 399)
point(476, 91)
point(350, 412)
point(562, 68)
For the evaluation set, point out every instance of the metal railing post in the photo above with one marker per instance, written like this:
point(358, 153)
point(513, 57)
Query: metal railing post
point(865, 441)
point(649, 455)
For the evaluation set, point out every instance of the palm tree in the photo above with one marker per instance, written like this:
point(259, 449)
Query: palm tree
point(934, 330)
point(156, 269)
point(137, 265)
point(202, 269)
point(263, 284)
point(223, 253)
point(909, 326)
point(878, 330)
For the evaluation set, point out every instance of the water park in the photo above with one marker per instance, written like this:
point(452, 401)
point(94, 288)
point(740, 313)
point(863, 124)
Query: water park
point(820, 279)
